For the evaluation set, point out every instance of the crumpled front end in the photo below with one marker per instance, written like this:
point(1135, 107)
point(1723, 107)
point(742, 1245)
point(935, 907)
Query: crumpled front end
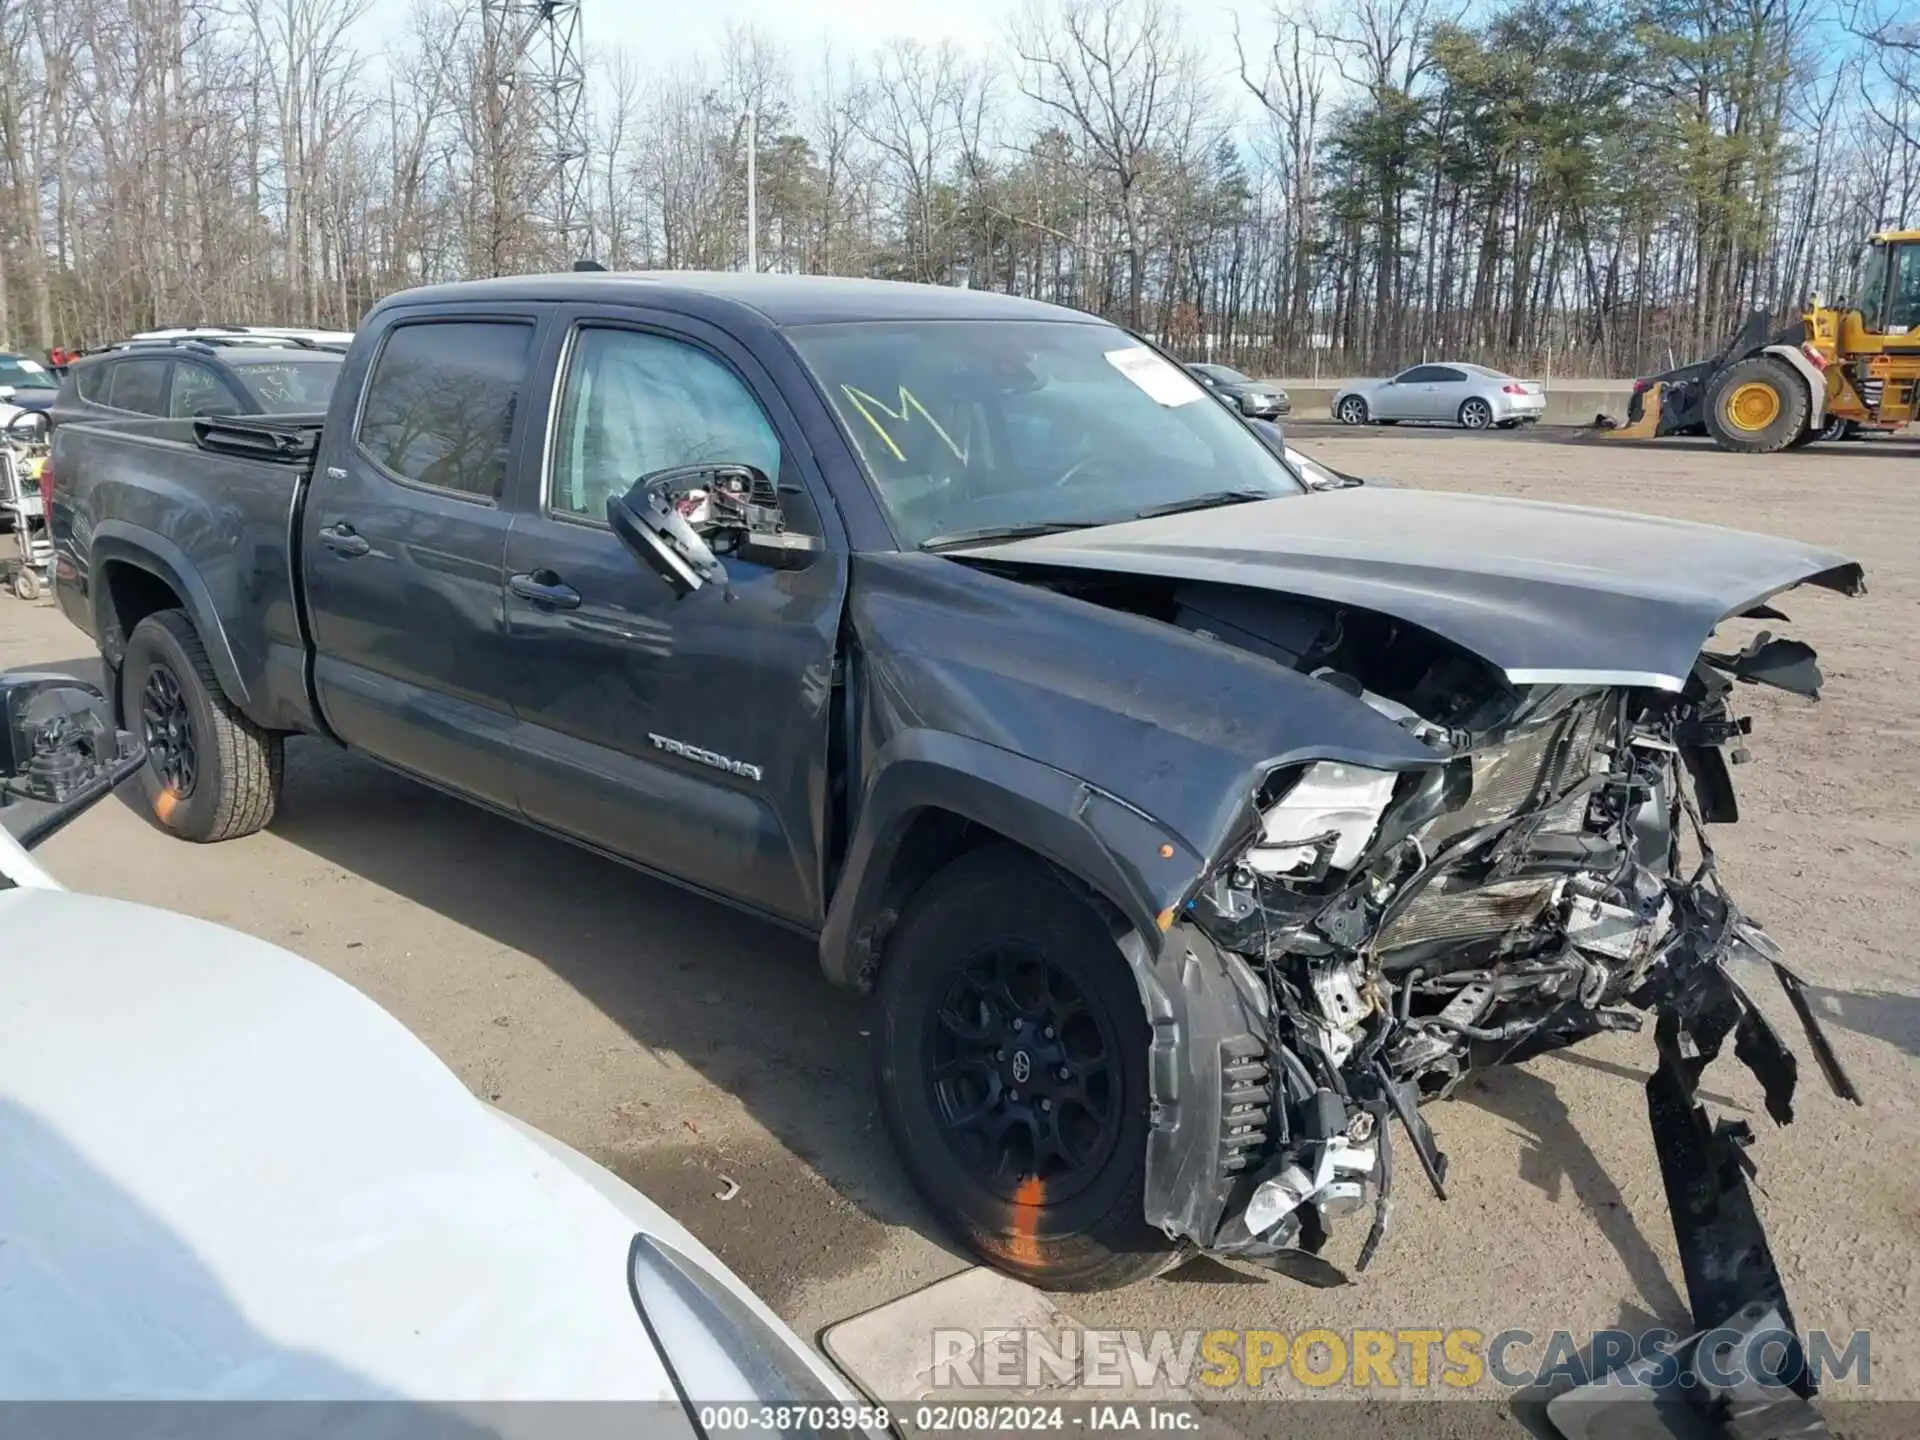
point(1373, 937)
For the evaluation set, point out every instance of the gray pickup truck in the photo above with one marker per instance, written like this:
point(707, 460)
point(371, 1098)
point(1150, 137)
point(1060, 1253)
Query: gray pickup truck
point(1192, 826)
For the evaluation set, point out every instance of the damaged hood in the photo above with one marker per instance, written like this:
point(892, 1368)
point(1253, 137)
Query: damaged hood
point(1550, 594)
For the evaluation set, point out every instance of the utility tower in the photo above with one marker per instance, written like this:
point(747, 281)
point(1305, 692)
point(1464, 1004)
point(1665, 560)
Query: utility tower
point(539, 48)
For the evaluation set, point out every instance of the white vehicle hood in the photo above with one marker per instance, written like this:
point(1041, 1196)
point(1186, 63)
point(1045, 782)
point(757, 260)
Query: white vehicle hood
point(229, 1175)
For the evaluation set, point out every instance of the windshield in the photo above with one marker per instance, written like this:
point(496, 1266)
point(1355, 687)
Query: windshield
point(976, 425)
point(290, 387)
point(25, 374)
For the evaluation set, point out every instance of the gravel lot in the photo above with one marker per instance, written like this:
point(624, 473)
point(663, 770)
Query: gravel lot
point(681, 1044)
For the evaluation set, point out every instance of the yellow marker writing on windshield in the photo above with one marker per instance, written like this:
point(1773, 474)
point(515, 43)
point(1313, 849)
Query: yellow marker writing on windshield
point(908, 401)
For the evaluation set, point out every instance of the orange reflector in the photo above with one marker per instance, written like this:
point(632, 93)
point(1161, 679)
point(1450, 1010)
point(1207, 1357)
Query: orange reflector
point(1166, 852)
point(1165, 918)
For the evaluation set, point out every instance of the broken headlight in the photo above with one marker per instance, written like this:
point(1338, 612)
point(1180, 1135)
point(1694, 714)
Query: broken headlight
point(1323, 821)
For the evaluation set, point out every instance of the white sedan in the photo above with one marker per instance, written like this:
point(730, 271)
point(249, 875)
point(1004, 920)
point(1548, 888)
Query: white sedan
point(1452, 394)
point(232, 1177)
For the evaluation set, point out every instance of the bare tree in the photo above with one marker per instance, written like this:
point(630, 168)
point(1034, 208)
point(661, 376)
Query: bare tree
point(1116, 73)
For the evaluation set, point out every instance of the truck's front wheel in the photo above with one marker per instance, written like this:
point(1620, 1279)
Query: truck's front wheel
point(211, 774)
point(1011, 1057)
point(1758, 406)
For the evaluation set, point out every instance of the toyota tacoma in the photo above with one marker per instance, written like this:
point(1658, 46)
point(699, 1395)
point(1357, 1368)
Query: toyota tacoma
point(1190, 826)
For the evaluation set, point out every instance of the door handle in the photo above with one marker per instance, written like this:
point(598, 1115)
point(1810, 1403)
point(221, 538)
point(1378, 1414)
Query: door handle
point(344, 540)
point(543, 587)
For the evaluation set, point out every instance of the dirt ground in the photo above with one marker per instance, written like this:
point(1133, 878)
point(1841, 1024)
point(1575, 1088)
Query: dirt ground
point(685, 1046)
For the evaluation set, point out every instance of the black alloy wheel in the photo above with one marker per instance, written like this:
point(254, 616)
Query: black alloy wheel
point(167, 728)
point(1010, 1056)
point(211, 773)
point(1022, 1074)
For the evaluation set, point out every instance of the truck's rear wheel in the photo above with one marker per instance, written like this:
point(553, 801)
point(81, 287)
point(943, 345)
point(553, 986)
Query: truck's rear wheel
point(211, 773)
point(1758, 406)
point(1011, 1058)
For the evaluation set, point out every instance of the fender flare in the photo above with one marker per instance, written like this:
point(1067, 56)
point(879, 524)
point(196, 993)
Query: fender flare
point(1815, 377)
point(1206, 1064)
point(118, 542)
point(1120, 853)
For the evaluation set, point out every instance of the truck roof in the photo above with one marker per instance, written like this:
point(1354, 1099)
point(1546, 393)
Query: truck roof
point(780, 299)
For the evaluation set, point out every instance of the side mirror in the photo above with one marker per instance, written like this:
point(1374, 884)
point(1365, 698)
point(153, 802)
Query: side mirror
point(680, 521)
point(1271, 435)
point(59, 753)
point(29, 426)
point(649, 523)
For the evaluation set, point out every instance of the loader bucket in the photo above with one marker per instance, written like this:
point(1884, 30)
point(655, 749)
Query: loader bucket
point(1643, 416)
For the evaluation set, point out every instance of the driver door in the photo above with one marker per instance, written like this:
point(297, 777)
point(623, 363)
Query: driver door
point(618, 677)
point(1415, 390)
point(1393, 401)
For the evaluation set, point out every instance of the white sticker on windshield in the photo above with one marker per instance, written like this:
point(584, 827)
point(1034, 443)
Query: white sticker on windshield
point(32, 367)
point(1165, 382)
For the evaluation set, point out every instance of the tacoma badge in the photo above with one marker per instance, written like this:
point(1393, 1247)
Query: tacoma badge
point(705, 757)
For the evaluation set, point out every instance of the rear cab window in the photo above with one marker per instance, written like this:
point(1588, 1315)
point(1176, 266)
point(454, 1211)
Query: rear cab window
point(439, 404)
point(198, 391)
point(289, 387)
point(139, 386)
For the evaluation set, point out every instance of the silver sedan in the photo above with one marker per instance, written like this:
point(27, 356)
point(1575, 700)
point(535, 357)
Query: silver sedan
point(1451, 394)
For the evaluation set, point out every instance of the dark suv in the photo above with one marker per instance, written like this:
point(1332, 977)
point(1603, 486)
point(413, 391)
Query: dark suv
point(199, 377)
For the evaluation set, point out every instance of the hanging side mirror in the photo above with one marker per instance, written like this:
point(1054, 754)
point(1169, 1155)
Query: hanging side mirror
point(680, 522)
point(29, 427)
point(650, 523)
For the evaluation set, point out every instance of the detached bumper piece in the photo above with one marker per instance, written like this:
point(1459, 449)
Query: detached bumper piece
point(1703, 1388)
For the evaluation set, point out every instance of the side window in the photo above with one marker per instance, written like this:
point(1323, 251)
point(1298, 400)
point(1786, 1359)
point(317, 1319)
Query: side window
point(633, 404)
point(139, 385)
point(440, 403)
point(1903, 303)
point(198, 391)
point(91, 382)
point(1443, 376)
point(1418, 375)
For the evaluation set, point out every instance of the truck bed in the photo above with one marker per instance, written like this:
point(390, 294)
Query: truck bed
point(208, 509)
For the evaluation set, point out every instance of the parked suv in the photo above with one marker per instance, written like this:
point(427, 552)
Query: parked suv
point(250, 375)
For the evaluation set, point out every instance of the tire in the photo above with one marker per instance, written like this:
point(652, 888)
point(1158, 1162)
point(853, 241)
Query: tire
point(1805, 438)
point(226, 781)
point(26, 584)
point(1351, 410)
point(970, 945)
point(1757, 406)
point(1475, 413)
point(1838, 429)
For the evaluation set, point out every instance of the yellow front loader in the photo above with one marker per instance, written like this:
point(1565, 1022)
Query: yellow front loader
point(1835, 369)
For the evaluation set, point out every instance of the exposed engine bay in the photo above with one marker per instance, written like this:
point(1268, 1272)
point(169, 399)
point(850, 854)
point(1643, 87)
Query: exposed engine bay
point(1548, 877)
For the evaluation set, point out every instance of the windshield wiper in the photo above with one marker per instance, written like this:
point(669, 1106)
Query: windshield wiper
point(1212, 500)
point(987, 534)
